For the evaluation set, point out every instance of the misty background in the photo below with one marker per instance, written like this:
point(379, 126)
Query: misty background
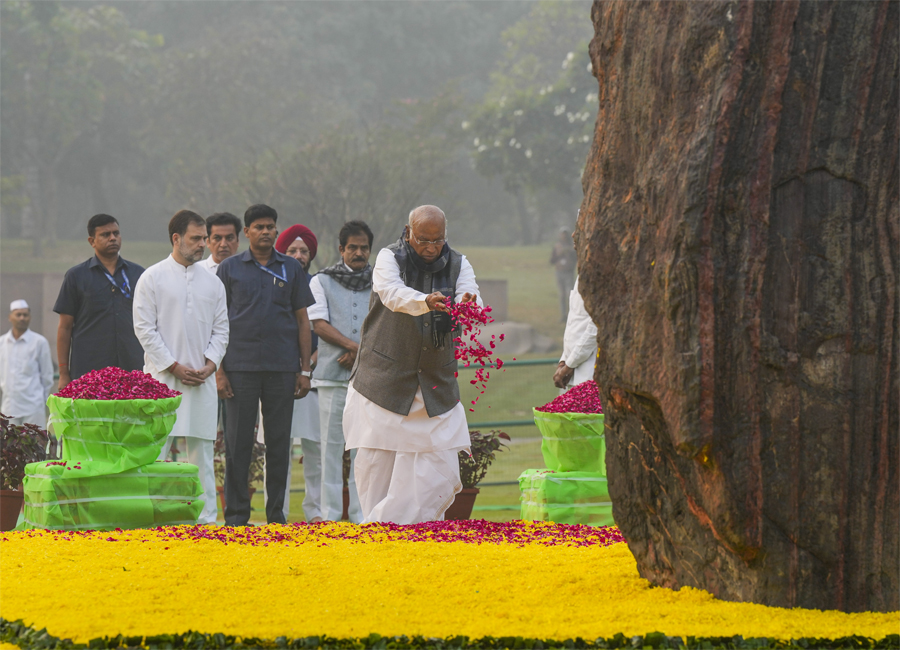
point(327, 111)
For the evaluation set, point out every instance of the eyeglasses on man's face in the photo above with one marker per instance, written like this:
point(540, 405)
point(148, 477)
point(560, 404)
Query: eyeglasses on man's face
point(423, 242)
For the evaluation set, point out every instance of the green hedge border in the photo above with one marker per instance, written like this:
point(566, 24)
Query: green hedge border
point(18, 633)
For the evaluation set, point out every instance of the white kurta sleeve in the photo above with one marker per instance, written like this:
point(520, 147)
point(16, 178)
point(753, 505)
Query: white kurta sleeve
point(580, 338)
point(45, 365)
point(218, 339)
point(146, 329)
point(391, 289)
point(318, 311)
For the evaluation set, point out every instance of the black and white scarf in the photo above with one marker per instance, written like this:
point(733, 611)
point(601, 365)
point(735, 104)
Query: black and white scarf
point(349, 279)
point(413, 269)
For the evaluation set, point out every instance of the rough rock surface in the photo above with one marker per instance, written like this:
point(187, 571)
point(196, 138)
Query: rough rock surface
point(738, 249)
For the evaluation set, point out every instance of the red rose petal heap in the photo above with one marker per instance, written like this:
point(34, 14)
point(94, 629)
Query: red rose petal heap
point(114, 383)
point(469, 317)
point(583, 398)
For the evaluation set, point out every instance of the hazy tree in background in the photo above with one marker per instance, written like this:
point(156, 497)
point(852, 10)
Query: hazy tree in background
point(61, 65)
point(534, 127)
point(347, 172)
point(98, 116)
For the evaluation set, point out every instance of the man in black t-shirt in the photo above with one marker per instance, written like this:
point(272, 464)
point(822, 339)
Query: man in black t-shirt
point(96, 329)
point(267, 362)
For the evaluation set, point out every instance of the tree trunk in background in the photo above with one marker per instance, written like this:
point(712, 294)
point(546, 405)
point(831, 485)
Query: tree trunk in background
point(738, 250)
point(524, 218)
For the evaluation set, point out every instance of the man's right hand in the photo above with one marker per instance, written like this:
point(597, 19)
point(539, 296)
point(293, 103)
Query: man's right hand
point(347, 359)
point(435, 302)
point(563, 375)
point(64, 378)
point(223, 386)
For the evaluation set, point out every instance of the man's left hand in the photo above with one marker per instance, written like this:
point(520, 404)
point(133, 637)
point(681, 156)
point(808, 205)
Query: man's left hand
point(206, 371)
point(469, 297)
point(301, 387)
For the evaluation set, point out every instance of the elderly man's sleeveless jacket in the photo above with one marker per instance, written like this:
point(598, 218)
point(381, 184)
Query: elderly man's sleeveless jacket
point(397, 355)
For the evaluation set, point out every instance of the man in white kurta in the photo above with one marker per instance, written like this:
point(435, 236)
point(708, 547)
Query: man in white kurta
point(181, 321)
point(26, 369)
point(407, 465)
point(579, 345)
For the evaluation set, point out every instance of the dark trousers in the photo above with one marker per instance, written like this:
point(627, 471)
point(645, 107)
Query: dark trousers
point(276, 392)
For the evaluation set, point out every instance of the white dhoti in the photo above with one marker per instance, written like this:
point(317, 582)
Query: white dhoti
point(407, 466)
point(406, 487)
point(200, 452)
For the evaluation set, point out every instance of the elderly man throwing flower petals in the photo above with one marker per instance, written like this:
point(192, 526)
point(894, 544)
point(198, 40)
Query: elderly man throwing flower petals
point(403, 412)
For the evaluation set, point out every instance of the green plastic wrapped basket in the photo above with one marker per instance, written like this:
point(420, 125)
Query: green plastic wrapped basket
point(565, 497)
point(85, 495)
point(124, 433)
point(572, 442)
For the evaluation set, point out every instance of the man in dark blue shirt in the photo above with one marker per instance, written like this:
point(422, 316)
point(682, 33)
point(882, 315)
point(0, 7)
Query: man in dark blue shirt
point(94, 306)
point(268, 361)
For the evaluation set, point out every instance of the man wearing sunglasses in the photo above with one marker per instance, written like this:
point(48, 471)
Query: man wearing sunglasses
point(403, 413)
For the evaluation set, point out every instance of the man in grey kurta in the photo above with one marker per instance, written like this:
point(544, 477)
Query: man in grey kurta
point(342, 301)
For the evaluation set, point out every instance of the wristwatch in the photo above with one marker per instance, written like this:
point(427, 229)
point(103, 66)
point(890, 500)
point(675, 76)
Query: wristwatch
point(306, 373)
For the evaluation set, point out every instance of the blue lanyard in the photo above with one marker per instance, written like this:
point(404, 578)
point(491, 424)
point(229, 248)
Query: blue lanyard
point(126, 285)
point(283, 278)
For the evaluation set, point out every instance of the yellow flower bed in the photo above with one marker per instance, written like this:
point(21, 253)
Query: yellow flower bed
point(533, 580)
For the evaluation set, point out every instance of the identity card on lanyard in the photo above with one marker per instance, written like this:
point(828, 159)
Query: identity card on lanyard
point(126, 285)
point(275, 275)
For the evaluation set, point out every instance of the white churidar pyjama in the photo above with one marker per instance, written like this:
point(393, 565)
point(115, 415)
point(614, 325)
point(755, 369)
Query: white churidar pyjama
point(200, 452)
point(331, 413)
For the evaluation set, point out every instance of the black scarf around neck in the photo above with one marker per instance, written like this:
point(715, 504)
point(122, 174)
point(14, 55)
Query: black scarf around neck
point(413, 269)
point(352, 280)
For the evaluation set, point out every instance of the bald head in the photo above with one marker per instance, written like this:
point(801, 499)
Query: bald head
point(430, 215)
point(427, 231)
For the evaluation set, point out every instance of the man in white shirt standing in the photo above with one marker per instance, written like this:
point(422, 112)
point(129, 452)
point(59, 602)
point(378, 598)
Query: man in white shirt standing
point(342, 301)
point(223, 231)
point(403, 412)
point(579, 345)
point(26, 369)
point(181, 321)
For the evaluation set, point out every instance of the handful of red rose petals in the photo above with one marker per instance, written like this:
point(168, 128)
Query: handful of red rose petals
point(468, 317)
point(583, 398)
point(114, 383)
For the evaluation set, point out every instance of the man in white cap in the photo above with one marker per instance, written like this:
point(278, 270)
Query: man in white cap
point(26, 369)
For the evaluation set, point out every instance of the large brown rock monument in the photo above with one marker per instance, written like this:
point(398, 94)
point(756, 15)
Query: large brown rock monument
point(738, 249)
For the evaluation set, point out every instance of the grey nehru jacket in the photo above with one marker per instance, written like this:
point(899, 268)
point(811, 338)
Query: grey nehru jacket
point(397, 356)
point(347, 309)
